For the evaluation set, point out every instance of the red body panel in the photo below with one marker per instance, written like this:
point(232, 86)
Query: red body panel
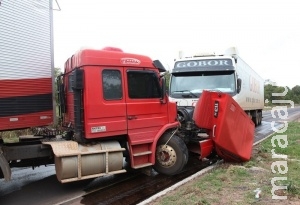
point(25, 103)
point(69, 115)
point(232, 130)
point(108, 58)
point(204, 148)
point(27, 120)
point(101, 112)
point(25, 87)
point(141, 120)
point(204, 107)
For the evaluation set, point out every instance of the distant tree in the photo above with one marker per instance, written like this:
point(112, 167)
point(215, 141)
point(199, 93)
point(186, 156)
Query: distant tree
point(292, 94)
point(57, 72)
point(279, 91)
point(296, 90)
point(296, 94)
point(167, 76)
point(289, 95)
point(269, 89)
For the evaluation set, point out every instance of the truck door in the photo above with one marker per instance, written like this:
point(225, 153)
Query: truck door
point(145, 113)
point(105, 109)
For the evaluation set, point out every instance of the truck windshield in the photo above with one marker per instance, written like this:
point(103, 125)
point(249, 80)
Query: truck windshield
point(191, 84)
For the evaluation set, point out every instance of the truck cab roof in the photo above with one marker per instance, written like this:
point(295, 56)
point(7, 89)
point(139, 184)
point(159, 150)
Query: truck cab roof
point(107, 57)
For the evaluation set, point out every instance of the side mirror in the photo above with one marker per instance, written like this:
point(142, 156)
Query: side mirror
point(163, 90)
point(239, 85)
point(157, 64)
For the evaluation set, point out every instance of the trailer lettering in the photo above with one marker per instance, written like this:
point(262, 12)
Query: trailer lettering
point(254, 85)
point(216, 109)
point(133, 61)
point(203, 63)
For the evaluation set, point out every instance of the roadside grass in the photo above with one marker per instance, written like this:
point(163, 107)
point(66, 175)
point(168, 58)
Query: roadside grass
point(237, 184)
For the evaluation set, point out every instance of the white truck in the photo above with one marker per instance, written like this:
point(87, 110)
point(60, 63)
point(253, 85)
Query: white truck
point(226, 73)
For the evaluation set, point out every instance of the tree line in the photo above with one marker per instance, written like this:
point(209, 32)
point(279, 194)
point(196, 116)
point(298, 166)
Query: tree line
point(287, 94)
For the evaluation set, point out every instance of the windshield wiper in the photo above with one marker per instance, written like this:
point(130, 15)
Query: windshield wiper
point(182, 91)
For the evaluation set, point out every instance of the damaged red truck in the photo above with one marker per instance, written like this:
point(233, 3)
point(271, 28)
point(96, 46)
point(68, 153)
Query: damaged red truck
point(113, 106)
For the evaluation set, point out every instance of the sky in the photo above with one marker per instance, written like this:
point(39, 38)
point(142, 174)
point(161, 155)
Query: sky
point(265, 32)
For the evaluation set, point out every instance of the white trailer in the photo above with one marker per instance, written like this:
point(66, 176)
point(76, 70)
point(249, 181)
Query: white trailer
point(226, 73)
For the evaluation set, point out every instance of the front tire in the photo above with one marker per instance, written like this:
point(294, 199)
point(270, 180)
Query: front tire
point(170, 158)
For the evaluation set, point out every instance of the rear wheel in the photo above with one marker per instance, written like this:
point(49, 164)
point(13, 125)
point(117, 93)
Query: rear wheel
point(171, 155)
point(260, 117)
point(255, 117)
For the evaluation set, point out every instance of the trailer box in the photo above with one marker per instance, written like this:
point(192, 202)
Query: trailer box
point(26, 64)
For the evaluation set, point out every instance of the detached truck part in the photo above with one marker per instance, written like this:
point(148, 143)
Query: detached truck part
point(226, 73)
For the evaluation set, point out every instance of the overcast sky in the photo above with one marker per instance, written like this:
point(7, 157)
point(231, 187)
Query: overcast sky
point(266, 32)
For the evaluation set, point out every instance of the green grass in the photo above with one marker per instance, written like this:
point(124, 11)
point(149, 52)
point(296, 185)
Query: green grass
point(292, 142)
point(292, 151)
point(235, 183)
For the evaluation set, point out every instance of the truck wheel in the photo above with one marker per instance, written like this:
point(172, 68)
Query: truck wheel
point(170, 158)
point(255, 118)
point(260, 117)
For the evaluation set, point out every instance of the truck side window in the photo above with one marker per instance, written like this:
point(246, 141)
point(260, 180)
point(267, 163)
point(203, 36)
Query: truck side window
point(70, 83)
point(143, 84)
point(112, 85)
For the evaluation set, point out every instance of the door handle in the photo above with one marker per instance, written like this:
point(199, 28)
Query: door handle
point(131, 117)
point(214, 128)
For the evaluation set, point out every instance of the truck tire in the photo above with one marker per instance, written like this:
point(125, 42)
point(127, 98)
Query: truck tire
point(259, 117)
point(170, 158)
point(255, 118)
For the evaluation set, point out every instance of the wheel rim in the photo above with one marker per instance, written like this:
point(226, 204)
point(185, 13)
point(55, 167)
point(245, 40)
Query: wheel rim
point(166, 155)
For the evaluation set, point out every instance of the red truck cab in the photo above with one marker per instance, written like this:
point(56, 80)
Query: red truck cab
point(110, 94)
